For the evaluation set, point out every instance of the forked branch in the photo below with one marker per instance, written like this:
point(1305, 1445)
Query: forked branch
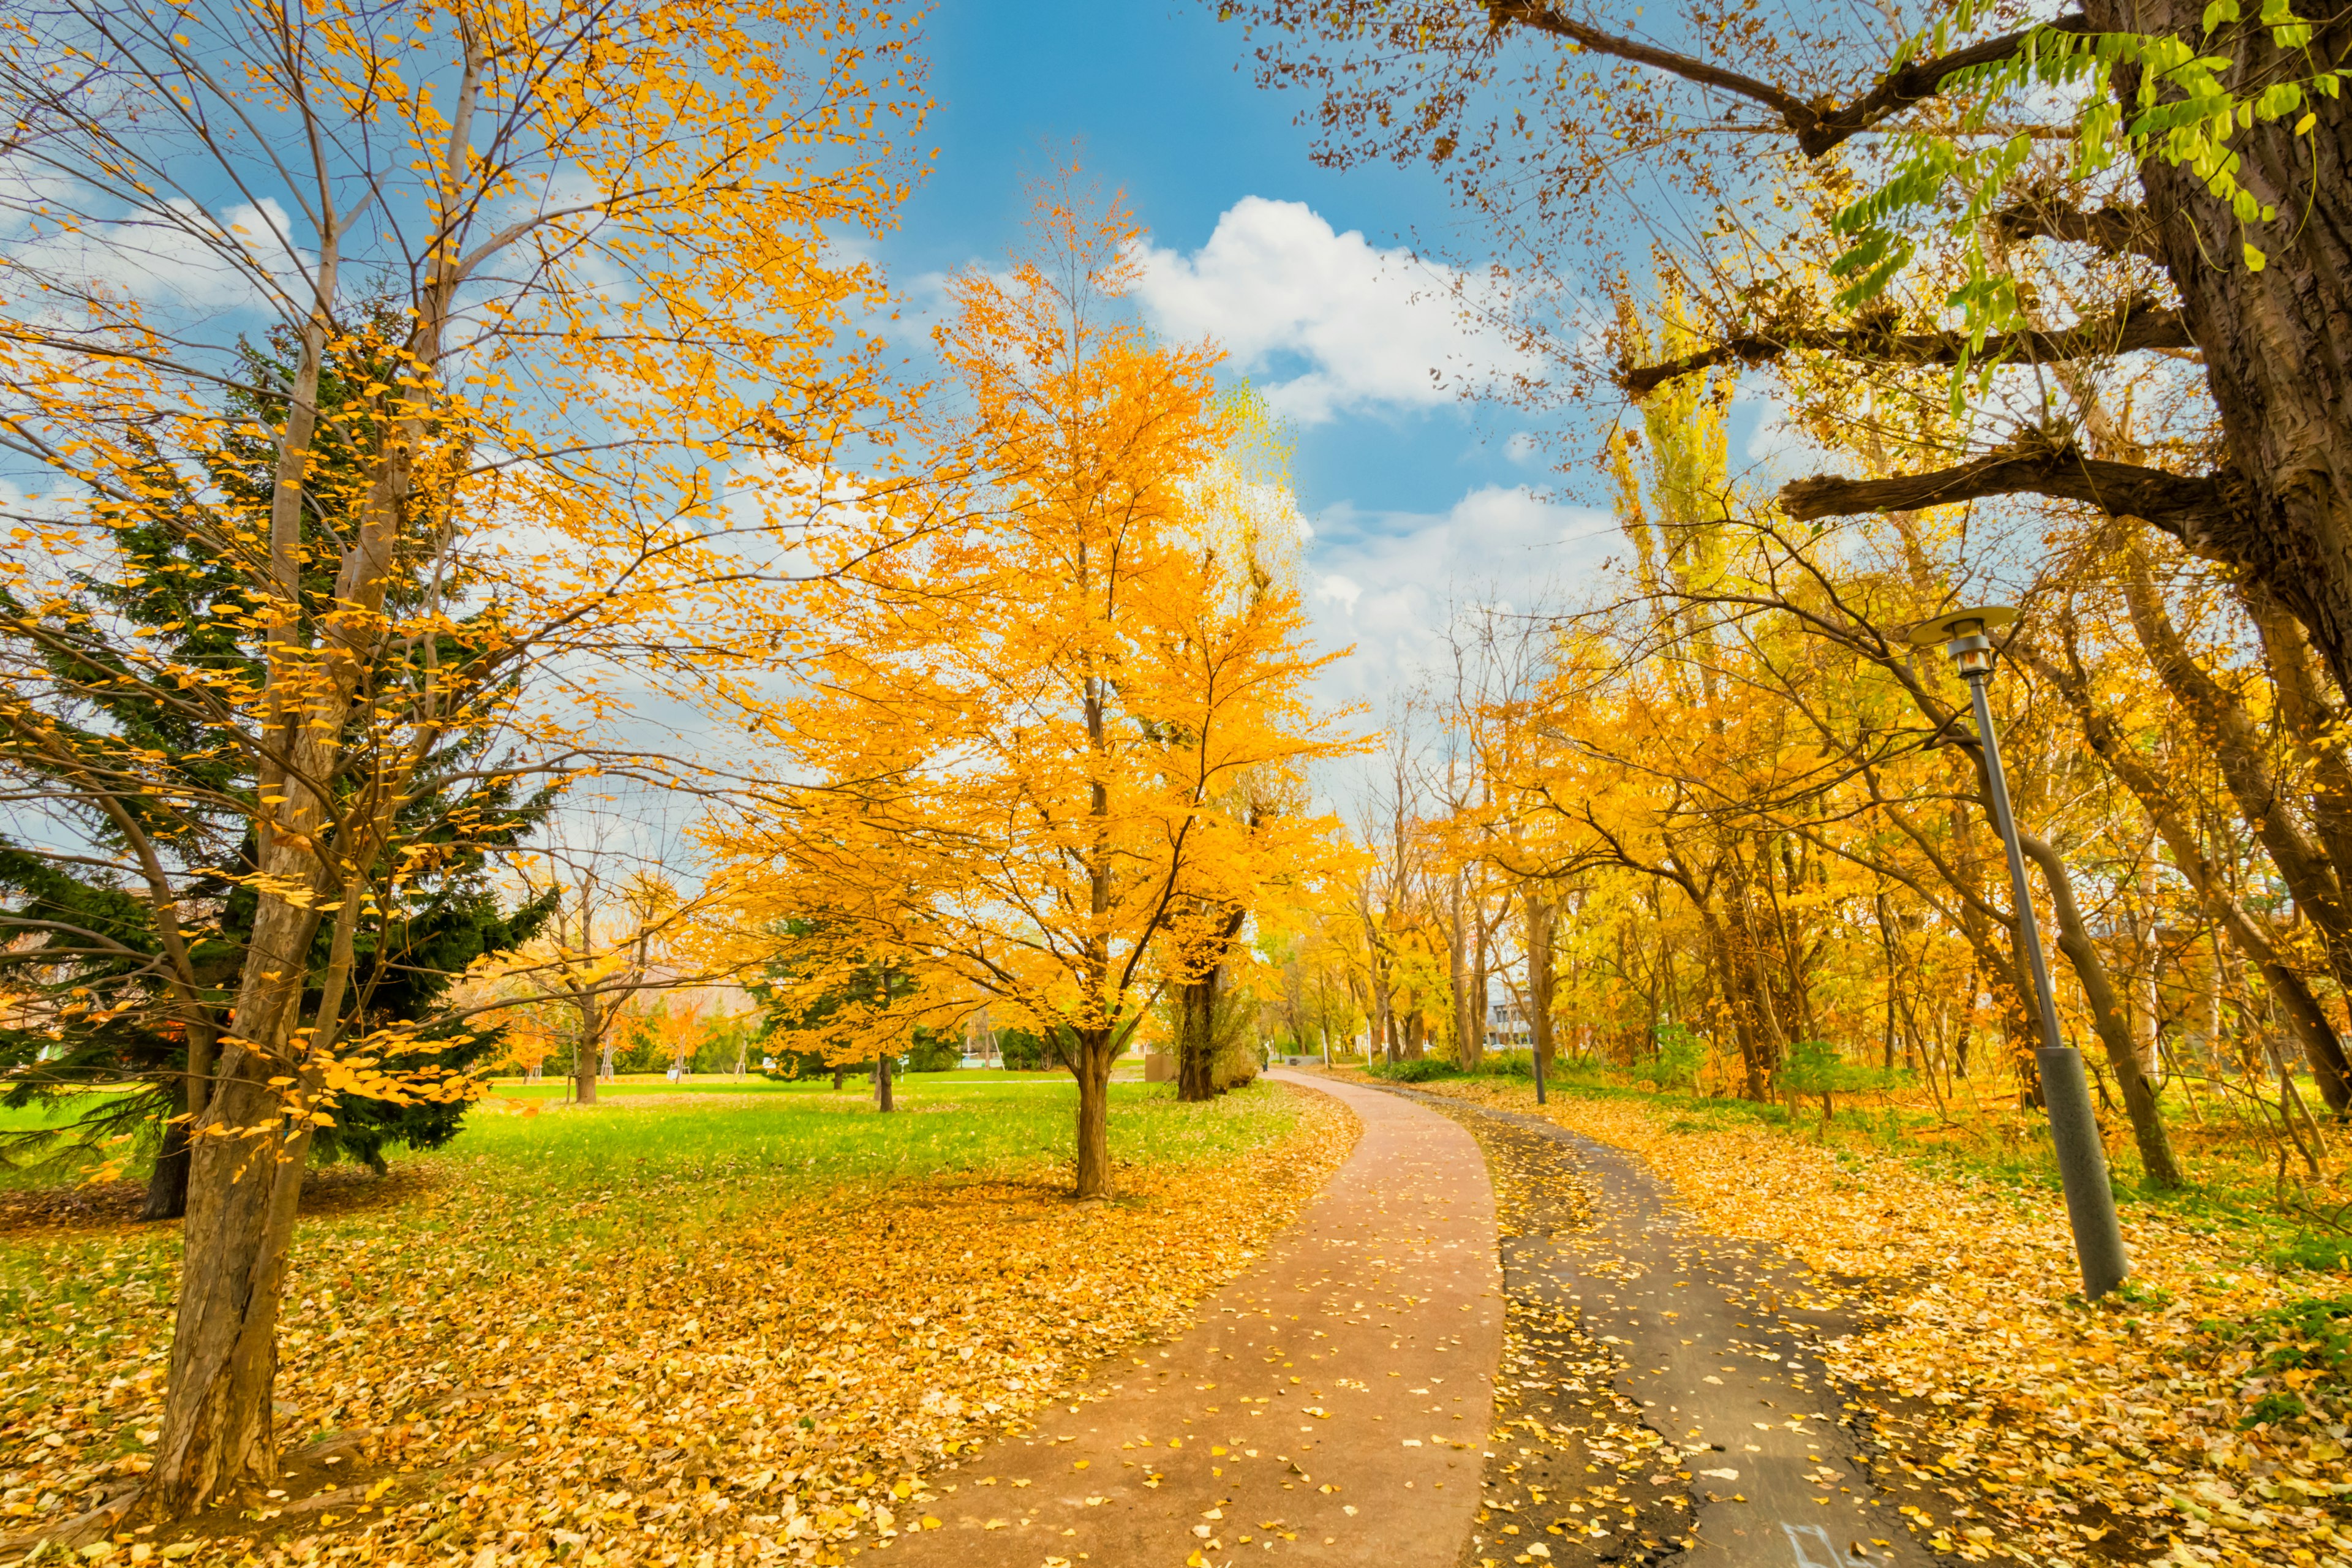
point(1818, 127)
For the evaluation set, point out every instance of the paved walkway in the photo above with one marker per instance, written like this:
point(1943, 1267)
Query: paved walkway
point(1329, 1407)
point(1711, 1345)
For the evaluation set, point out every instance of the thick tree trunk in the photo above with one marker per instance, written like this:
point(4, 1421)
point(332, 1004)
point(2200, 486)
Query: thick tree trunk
point(2123, 1057)
point(245, 1178)
point(882, 1100)
point(1196, 1015)
point(837, 1073)
point(2273, 341)
point(583, 1074)
point(167, 1184)
point(1090, 1064)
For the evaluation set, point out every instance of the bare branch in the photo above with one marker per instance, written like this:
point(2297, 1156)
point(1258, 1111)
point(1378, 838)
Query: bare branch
point(2133, 326)
point(1818, 128)
point(2201, 510)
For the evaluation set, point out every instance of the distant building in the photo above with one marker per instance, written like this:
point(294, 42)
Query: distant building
point(1505, 1025)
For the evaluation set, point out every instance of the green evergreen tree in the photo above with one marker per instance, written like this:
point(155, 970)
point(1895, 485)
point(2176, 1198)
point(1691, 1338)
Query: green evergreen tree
point(80, 954)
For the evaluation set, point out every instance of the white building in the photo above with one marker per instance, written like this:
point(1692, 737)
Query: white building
point(1505, 1025)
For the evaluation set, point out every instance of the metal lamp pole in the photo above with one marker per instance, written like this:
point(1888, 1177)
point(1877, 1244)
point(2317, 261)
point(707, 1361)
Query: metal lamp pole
point(2065, 1091)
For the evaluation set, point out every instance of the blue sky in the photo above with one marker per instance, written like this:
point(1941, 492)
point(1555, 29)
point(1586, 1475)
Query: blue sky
point(1307, 274)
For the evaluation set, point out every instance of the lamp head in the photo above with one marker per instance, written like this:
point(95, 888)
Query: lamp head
point(1962, 633)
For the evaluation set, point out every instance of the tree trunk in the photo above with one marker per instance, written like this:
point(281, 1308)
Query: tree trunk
point(2123, 1056)
point(245, 1178)
point(2272, 341)
point(584, 1073)
point(1090, 1064)
point(2224, 725)
point(837, 1073)
point(1541, 917)
point(1196, 1013)
point(882, 1101)
point(1457, 978)
point(167, 1185)
point(2322, 1048)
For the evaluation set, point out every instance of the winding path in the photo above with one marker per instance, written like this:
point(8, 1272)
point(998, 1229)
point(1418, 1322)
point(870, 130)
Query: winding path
point(1331, 1406)
point(1356, 1398)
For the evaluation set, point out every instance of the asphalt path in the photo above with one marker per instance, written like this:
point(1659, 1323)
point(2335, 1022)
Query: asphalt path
point(1662, 1396)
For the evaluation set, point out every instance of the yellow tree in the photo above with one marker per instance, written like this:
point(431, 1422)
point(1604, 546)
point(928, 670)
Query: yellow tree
point(589, 251)
point(1030, 729)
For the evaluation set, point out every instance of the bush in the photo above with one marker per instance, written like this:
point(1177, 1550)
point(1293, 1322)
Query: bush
point(1681, 1053)
point(1421, 1071)
point(1022, 1051)
point(932, 1052)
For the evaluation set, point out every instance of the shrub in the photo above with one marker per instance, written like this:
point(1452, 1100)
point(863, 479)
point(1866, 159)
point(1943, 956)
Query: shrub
point(1421, 1072)
point(1681, 1053)
point(1022, 1051)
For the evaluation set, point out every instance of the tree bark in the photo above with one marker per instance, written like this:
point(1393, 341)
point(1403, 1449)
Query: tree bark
point(584, 1072)
point(882, 1100)
point(1196, 1016)
point(2123, 1056)
point(167, 1184)
point(2273, 341)
point(1542, 915)
point(1090, 1064)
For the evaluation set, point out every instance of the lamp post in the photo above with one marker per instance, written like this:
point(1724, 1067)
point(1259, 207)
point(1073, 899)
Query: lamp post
point(2065, 1091)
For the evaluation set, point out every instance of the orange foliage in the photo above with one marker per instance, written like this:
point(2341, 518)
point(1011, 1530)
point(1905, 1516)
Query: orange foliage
point(1051, 733)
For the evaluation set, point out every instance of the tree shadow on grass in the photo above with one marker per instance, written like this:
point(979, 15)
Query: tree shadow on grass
point(107, 1206)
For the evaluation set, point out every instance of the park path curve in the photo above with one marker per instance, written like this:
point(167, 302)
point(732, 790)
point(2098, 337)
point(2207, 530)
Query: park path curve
point(1329, 1406)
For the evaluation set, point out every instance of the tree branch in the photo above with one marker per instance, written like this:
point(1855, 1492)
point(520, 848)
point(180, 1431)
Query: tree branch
point(2137, 325)
point(2115, 230)
point(1817, 128)
point(2201, 510)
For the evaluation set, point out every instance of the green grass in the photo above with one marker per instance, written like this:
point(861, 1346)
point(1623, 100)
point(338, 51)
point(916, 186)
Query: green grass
point(516, 1193)
point(762, 1135)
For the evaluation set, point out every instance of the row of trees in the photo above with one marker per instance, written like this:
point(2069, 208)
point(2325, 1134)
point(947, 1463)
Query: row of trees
point(390, 473)
point(2051, 300)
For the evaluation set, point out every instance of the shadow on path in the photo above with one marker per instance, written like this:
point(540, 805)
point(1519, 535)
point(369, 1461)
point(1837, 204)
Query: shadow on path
point(1660, 1394)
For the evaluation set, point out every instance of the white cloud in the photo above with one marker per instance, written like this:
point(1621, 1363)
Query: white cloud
point(1782, 450)
point(173, 253)
point(1390, 582)
point(1333, 322)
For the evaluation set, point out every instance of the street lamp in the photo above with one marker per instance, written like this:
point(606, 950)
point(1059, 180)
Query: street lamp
point(2066, 1093)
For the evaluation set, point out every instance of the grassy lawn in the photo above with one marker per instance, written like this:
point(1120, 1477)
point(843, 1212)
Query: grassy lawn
point(772, 1283)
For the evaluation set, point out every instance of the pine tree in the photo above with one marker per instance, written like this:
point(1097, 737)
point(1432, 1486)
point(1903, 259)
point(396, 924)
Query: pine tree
point(84, 971)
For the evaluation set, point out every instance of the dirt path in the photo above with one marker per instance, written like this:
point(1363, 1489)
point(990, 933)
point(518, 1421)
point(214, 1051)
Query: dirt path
point(1331, 1406)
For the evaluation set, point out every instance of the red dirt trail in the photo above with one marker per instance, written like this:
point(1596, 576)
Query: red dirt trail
point(1329, 1406)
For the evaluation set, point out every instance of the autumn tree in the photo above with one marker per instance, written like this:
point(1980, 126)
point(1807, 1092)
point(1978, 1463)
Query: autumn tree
point(606, 243)
point(1028, 730)
point(1900, 193)
point(612, 920)
point(83, 943)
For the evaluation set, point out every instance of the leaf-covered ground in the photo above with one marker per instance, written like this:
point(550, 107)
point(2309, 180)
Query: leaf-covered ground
point(669, 1331)
point(2199, 1419)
